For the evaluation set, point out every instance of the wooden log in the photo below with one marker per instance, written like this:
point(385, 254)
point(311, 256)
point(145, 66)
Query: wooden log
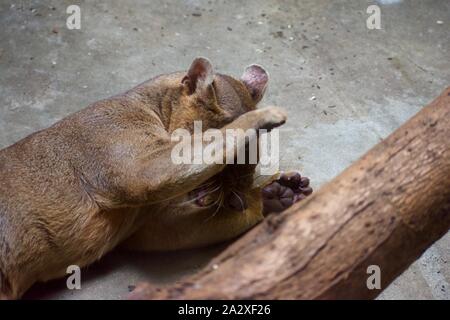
point(384, 210)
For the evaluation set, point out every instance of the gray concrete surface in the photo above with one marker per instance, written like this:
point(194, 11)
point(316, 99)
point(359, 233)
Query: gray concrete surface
point(365, 83)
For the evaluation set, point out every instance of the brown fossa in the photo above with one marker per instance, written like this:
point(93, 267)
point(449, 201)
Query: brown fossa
point(103, 177)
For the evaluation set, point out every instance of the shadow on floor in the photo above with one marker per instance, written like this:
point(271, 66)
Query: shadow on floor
point(126, 269)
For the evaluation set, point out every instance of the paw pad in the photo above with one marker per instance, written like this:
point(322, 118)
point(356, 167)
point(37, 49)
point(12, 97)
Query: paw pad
point(284, 192)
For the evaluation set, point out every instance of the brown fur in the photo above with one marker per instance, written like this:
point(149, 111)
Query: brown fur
point(72, 192)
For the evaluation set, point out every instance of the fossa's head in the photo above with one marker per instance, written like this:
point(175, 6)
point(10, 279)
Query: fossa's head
point(214, 98)
point(217, 100)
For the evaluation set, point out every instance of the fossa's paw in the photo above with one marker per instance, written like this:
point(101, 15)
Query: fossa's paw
point(290, 188)
point(272, 117)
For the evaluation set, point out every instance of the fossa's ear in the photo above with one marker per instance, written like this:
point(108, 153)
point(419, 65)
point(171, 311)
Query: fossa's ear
point(255, 79)
point(200, 76)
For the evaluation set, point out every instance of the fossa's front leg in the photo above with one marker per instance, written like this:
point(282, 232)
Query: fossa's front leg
point(154, 178)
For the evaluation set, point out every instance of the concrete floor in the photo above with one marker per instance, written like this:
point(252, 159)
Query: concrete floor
point(365, 83)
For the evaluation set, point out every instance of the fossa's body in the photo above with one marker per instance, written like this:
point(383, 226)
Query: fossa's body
point(103, 177)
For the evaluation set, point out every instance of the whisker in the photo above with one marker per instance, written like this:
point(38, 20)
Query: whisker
point(221, 197)
point(197, 198)
point(180, 194)
point(240, 199)
point(206, 184)
point(213, 204)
